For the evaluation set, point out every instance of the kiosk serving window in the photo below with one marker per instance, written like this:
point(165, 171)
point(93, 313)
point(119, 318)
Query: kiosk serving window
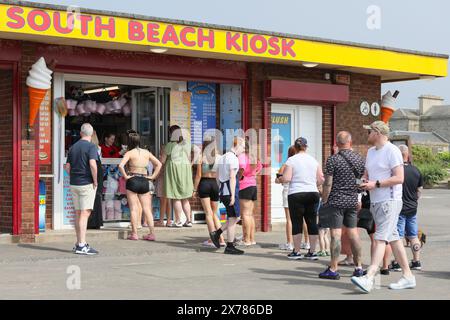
point(112, 109)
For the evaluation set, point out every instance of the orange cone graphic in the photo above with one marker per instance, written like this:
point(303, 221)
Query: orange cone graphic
point(36, 98)
point(386, 113)
point(38, 82)
point(387, 106)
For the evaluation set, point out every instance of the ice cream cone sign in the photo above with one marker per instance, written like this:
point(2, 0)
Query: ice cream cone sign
point(39, 81)
point(388, 105)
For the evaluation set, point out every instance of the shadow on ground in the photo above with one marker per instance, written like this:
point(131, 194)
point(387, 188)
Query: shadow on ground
point(42, 248)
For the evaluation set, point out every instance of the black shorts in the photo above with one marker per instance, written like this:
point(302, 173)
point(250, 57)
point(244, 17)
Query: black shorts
point(138, 184)
point(208, 188)
point(232, 211)
point(249, 193)
point(338, 217)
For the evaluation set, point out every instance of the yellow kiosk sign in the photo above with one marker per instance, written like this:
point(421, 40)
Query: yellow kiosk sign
point(121, 30)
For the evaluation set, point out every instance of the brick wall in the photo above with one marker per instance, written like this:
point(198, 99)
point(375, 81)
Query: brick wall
point(349, 117)
point(28, 150)
point(6, 154)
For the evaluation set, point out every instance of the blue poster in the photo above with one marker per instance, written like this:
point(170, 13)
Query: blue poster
point(281, 138)
point(203, 109)
point(230, 113)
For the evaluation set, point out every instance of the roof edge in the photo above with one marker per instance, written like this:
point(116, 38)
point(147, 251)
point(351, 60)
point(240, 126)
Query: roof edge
point(222, 27)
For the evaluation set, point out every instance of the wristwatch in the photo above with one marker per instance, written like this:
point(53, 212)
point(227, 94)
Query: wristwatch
point(378, 184)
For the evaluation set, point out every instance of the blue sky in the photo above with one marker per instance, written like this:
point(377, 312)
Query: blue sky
point(416, 25)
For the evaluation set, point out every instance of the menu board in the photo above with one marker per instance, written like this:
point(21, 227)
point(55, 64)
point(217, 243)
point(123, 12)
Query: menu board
point(45, 130)
point(69, 209)
point(203, 109)
point(180, 109)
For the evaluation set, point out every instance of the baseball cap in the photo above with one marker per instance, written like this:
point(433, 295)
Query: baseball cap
point(301, 142)
point(378, 126)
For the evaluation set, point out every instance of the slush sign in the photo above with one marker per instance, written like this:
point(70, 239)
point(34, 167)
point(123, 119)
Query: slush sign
point(129, 31)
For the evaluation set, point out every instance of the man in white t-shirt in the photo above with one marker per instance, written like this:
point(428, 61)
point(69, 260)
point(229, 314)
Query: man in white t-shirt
point(227, 169)
point(383, 178)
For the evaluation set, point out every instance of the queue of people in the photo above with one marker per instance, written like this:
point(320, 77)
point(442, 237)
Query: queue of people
point(378, 194)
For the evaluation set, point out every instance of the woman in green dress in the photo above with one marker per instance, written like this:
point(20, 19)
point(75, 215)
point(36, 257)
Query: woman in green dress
point(178, 183)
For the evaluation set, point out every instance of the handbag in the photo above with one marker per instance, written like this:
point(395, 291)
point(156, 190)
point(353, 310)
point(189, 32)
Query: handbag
point(365, 219)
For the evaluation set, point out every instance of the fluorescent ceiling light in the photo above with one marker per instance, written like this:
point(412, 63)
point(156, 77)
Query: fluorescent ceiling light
point(309, 64)
point(158, 50)
point(101, 90)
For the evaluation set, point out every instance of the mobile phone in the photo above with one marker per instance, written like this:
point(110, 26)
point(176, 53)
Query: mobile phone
point(359, 182)
point(279, 175)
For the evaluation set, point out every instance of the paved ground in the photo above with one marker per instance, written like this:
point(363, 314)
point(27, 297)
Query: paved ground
point(177, 267)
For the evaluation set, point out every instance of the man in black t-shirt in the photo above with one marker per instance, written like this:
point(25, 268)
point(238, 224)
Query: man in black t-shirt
point(82, 166)
point(407, 221)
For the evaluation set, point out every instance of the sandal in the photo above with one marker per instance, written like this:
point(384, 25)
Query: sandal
point(345, 262)
point(157, 224)
point(149, 237)
point(322, 254)
point(133, 237)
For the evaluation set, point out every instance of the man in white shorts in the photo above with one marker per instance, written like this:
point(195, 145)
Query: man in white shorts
point(383, 178)
point(82, 166)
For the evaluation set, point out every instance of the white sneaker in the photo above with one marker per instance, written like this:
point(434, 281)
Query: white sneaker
point(404, 283)
point(239, 238)
point(364, 283)
point(208, 243)
point(305, 246)
point(286, 246)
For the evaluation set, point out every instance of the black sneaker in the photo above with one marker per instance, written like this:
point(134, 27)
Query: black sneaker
point(385, 272)
point(395, 267)
point(295, 255)
point(232, 250)
point(85, 250)
point(358, 272)
point(311, 256)
point(328, 274)
point(415, 265)
point(215, 238)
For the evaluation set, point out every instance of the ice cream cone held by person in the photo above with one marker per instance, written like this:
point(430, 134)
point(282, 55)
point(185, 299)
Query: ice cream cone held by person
point(39, 81)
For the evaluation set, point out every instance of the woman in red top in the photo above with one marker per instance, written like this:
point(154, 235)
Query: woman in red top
point(109, 150)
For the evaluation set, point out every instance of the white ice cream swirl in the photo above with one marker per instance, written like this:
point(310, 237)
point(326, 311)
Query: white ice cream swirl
point(40, 77)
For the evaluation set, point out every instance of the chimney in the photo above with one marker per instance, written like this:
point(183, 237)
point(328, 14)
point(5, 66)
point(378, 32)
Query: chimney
point(427, 101)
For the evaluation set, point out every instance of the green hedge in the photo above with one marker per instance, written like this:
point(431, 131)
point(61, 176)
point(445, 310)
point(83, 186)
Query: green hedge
point(432, 172)
point(432, 166)
point(445, 158)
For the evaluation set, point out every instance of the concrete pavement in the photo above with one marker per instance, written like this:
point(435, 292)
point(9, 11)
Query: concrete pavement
point(177, 267)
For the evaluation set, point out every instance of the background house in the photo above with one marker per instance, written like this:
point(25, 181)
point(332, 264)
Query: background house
point(432, 116)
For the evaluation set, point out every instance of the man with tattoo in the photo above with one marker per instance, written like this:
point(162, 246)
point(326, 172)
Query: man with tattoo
point(407, 221)
point(383, 177)
point(340, 198)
